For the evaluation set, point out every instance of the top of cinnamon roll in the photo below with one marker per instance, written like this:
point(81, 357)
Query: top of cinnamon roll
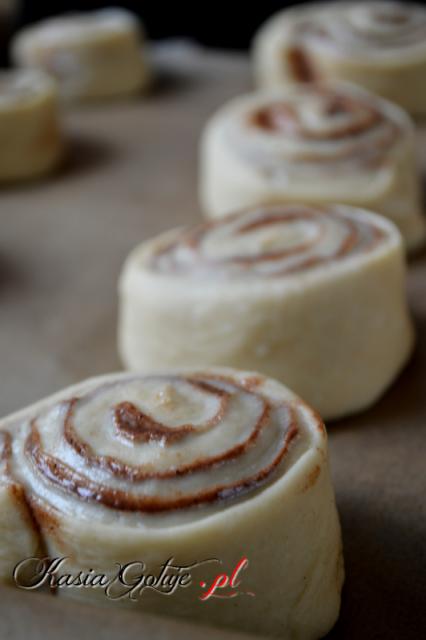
point(268, 241)
point(308, 129)
point(78, 27)
point(160, 449)
point(21, 87)
point(375, 29)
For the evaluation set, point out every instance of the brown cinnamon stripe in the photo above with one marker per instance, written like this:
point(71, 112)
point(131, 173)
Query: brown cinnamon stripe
point(360, 152)
point(73, 482)
point(267, 220)
point(46, 523)
point(345, 248)
point(301, 65)
point(17, 492)
point(135, 425)
point(283, 117)
point(5, 452)
point(195, 237)
point(396, 17)
point(138, 473)
point(352, 241)
point(292, 215)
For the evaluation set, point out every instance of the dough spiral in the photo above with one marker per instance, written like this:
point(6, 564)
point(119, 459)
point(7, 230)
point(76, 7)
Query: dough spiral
point(380, 45)
point(186, 475)
point(195, 465)
point(313, 144)
point(269, 242)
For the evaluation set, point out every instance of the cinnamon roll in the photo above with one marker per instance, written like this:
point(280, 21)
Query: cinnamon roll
point(202, 466)
point(378, 45)
point(311, 296)
point(313, 144)
point(93, 55)
point(31, 141)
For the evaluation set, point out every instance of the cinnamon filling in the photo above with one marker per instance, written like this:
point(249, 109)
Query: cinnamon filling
point(284, 118)
point(60, 474)
point(356, 236)
point(301, 66)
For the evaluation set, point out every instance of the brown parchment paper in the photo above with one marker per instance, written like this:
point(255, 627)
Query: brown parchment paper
point(131, 173)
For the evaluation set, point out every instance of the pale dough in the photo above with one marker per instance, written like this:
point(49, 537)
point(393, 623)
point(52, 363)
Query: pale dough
point(30, 135)
point(196, 464)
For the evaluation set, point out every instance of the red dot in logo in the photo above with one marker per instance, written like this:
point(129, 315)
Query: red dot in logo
point(202, 584)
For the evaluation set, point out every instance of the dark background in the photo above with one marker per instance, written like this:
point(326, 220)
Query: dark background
point(228, 25)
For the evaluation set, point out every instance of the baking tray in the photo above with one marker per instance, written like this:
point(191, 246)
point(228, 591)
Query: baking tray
point(132, 173)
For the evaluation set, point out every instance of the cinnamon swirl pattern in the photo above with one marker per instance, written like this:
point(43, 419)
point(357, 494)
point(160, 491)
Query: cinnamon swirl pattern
point(313, 144)
point(312, 296)
point(380, 45)
point(31, 141)
point(198, 465)
point(95, 55)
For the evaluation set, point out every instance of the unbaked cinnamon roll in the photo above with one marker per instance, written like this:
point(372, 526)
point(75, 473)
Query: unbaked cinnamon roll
point(313, 144)
point(204, 467)
point(312, 296)
point(378, 45)
point(93, 55)
point(31, 141)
